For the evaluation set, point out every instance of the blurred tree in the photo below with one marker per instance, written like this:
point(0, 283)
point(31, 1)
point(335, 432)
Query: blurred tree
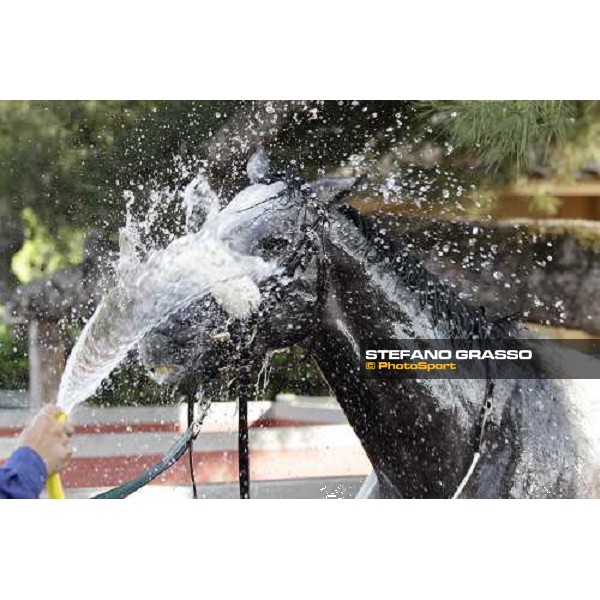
point(64, 165)
point(43, 253)
point(14, 371)
point(12, 235)
point(510, 137)
point(69, 162)
point(64, 159)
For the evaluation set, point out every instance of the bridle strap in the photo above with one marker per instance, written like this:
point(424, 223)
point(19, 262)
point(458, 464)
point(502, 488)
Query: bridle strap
point(467, 477)
point(244, 387)
point(480, 430)
point(190, 399)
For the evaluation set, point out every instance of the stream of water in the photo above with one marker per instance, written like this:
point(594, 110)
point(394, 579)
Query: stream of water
point(149, 290)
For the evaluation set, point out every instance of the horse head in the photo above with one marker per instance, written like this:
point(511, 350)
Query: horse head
point(273, 230)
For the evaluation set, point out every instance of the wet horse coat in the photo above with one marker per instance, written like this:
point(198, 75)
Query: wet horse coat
point(339, 282)
point(541, 438)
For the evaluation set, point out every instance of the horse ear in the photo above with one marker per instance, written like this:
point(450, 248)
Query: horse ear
point(332, 190)
point(258, 166)
point(199, 202)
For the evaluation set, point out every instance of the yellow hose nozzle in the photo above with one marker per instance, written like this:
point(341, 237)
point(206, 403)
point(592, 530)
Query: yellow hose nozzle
point(54, 484)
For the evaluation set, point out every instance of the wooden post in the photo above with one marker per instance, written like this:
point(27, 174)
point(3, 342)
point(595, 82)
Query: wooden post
point(47, 355)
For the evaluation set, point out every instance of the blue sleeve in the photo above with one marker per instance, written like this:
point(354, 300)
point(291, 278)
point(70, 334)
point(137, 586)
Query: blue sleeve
point(23, 475)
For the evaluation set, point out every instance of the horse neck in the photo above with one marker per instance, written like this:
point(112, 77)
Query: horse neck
point(417, 435)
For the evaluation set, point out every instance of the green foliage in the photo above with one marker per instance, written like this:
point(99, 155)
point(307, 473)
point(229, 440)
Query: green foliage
point(584, 148)
point(43, 253)
point(14, 371)
point(545, 204)
point(508, 136)
point(43, 153)
point(131, 386)
point(293, 371)
point(69, 160)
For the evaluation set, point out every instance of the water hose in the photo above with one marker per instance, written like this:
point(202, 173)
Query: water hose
point(54, 484)
point(176, 451)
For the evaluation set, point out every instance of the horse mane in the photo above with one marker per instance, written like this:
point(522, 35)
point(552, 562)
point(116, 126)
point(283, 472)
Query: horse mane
point(444, 304)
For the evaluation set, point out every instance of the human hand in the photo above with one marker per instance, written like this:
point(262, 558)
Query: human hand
point(49, 438)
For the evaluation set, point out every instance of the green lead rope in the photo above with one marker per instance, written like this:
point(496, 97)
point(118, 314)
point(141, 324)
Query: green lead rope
point(176, 451)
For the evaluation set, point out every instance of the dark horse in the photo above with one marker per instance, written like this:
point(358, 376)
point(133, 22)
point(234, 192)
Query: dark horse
point(338, 281)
